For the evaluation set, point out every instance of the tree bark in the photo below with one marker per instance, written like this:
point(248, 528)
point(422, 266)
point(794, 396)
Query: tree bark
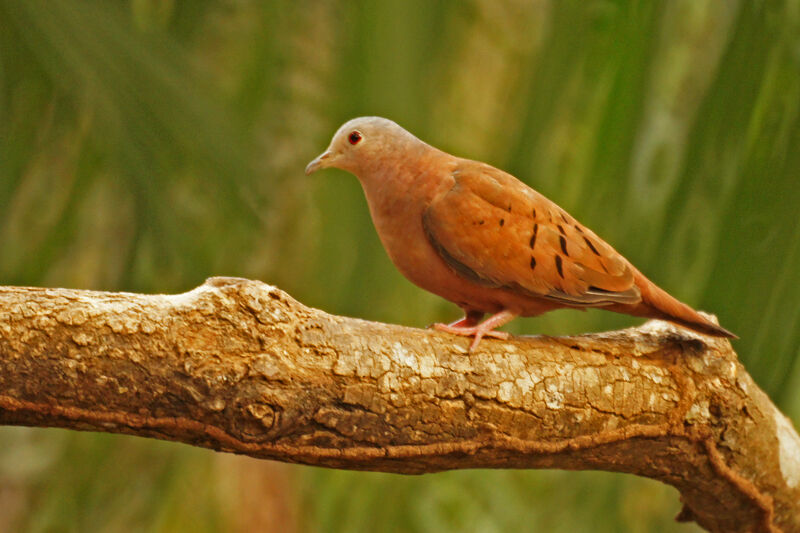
point(240, 366)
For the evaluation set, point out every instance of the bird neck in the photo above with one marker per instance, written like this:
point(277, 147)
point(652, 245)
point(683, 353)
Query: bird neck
point(398, 193)
point(417, 167)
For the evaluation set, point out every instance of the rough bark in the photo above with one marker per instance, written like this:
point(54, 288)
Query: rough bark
point(240, 366)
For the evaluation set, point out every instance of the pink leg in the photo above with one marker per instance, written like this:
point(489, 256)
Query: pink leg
point(471, 318)
point(484, 329)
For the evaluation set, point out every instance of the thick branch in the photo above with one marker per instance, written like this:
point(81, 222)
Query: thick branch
point(240, 366)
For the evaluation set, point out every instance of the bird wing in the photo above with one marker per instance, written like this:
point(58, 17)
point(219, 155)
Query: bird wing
point(496, 231)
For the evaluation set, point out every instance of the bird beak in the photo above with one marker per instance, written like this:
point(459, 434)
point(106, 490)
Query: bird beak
point(321, 161)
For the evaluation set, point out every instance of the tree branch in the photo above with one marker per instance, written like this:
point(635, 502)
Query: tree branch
point(240, 366)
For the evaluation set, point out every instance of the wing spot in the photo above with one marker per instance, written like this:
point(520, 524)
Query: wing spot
point(502, 221)
point(564, 218)
point(533, 262)
point(577, 227)
point(563, 242)
point(533, 237)
point(534, 213)
point(561, 229)
point(559, 267)
point(591, 246)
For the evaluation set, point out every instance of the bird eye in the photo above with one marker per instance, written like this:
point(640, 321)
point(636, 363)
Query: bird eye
point(354, 137)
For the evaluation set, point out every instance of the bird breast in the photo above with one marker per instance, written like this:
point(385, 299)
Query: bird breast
point(397, 201)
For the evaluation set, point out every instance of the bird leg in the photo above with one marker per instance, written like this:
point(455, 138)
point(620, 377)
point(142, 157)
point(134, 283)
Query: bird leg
point(471, 318)
point(468, 328)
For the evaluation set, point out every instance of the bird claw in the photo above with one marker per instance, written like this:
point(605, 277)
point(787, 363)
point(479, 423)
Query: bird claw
point(469, 331)
point(478, 332)
point(484, 329)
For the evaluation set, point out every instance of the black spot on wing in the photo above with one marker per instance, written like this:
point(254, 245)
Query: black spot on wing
point(563, 241)
point(559, 266)
point(533, 237)
point(591, 246)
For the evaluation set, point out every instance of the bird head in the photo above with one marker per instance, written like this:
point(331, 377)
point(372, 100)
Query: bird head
point(360, 145)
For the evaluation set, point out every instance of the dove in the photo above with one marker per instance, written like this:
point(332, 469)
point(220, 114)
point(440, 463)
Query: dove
point(484, 240)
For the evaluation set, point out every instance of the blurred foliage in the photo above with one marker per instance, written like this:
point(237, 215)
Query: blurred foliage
point(148, 144)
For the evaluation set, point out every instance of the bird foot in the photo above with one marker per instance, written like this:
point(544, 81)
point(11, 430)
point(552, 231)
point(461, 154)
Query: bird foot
point(484, 329)
point(469, 331)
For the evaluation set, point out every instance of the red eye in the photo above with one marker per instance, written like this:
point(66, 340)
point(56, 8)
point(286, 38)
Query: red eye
point(354, 137)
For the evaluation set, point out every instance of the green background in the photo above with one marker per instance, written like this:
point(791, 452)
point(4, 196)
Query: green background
point(148, 144)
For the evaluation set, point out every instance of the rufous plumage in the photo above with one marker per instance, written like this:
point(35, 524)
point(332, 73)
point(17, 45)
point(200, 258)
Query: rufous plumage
point(481, 238)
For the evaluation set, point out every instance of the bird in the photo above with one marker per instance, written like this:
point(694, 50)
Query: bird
point(484, 240)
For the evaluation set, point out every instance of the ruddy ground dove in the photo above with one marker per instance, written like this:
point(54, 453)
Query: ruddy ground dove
point(484, 240)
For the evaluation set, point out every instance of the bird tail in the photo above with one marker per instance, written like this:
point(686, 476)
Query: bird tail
point(657, 303)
